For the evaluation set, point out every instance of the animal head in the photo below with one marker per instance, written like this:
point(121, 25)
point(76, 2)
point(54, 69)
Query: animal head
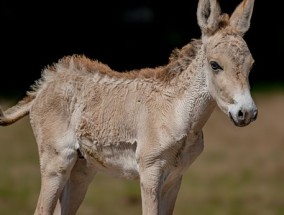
point(228, 60)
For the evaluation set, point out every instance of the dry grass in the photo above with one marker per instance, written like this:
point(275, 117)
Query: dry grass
point(241, 170)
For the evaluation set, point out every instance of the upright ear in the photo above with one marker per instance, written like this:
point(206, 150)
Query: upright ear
point(208, 12)
point(240, 19)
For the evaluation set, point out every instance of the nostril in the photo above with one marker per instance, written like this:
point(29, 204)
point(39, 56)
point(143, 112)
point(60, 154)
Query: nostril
point(255, 113)
point(240, 114)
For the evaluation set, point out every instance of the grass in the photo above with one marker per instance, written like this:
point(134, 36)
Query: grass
point(241, 170)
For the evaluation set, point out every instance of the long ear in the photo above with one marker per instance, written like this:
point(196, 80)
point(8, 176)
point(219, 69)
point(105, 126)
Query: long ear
point(240, 19)
point(208, 12)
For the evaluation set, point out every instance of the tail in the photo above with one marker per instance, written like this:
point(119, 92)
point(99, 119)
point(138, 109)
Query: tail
point(16, 112)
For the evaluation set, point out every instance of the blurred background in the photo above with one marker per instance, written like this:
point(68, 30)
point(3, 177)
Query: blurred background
point(241, 170)
point(125, 35)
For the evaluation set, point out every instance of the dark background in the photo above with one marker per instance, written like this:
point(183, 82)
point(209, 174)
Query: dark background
point(124, 35)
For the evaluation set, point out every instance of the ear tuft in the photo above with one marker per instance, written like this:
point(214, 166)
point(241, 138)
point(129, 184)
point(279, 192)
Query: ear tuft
point(224, 20)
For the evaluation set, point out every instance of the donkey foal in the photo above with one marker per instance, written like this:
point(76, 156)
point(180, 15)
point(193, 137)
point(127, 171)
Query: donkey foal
point(144, 124)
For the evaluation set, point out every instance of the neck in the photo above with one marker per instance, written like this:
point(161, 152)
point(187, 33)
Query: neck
point(192, 84)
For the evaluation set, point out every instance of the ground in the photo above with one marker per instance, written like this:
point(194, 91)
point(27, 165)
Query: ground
point(241, 170)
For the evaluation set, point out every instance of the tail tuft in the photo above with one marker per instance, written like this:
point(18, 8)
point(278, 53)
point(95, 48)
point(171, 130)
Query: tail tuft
point(3, 120)
point(16, 112)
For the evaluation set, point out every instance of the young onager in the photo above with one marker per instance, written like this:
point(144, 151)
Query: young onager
point(144, 124)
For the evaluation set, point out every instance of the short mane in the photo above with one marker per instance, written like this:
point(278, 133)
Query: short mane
point(179, 60)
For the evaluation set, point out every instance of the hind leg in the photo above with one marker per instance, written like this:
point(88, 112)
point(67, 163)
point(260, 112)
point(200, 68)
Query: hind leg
point(56, 165)
point(76, 187)
point(169, 194)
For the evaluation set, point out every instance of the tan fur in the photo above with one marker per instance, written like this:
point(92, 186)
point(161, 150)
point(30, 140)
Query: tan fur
point(144, 124)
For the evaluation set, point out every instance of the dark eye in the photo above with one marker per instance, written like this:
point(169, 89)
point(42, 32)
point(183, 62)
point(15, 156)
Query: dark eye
point(215, 66)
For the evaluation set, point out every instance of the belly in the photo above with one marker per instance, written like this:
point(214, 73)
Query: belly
point(117, 159)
